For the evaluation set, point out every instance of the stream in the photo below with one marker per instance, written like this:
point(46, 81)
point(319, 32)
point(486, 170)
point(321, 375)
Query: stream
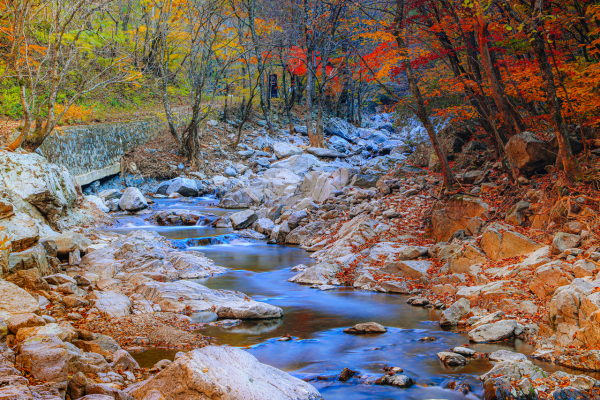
point(315, 319)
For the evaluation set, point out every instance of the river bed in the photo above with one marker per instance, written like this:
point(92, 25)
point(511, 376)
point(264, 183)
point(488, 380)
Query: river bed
point(315, 320)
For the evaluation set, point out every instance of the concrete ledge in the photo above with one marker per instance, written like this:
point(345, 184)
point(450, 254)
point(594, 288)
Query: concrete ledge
point(98, 174)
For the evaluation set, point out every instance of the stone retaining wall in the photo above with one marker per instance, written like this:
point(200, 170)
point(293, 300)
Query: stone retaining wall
point(92, 152)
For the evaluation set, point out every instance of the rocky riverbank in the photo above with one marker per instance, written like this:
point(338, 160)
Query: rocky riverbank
point(75, 298)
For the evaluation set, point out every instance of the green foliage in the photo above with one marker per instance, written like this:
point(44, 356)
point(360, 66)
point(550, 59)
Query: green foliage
point(10, 101)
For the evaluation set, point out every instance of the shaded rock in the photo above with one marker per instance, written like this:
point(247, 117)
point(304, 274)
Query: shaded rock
point(528, 153)
point(243, 219)
point(452, 359)
point(184, 186)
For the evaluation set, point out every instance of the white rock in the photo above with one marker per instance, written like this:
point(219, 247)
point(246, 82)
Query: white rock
point(221, 372)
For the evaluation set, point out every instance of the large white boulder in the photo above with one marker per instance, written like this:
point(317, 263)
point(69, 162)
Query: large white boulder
point(227, 373)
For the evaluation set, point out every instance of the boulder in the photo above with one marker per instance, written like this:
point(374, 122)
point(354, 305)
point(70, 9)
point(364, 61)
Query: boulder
point(408, 269)
point(14, 300)
point(299, 164)
point(339, 127)
point(506, 355)
point(453, 215)
point(123, 361)
point(67, 242)
point(264, 226)
point(283, 150)
point(45, 357)
point(495, 331)
point(41, 190)
point(23, 231)
point(112, 304)
point(499, 242)
point(184, 186)
point(453, 314)
point(302, 233)
point(243, 219)
point(563, 241)
point(548, 278)
point(64, 331)
point(248, 310)
point(219, 372)
point(110, 194)
point(452, 359)
point(132, 200)
point(295, 218)
point(528, 153)
point(402, 381)
point(34, 257)
point(320, 274)
point(26, 320)
point(366, 327)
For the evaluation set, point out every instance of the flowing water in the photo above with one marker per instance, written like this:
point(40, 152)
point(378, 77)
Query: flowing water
point(315, 319)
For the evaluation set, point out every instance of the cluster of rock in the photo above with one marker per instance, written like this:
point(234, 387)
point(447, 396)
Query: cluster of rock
point(56, 277)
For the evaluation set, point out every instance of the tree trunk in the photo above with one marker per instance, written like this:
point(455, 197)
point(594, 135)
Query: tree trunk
point(421, 110)
point(510, 117)
point(565, 153)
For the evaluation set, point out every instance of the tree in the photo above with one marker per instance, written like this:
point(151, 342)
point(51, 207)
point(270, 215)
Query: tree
point(398, 30)
point(190, 36)
point(60, 47)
